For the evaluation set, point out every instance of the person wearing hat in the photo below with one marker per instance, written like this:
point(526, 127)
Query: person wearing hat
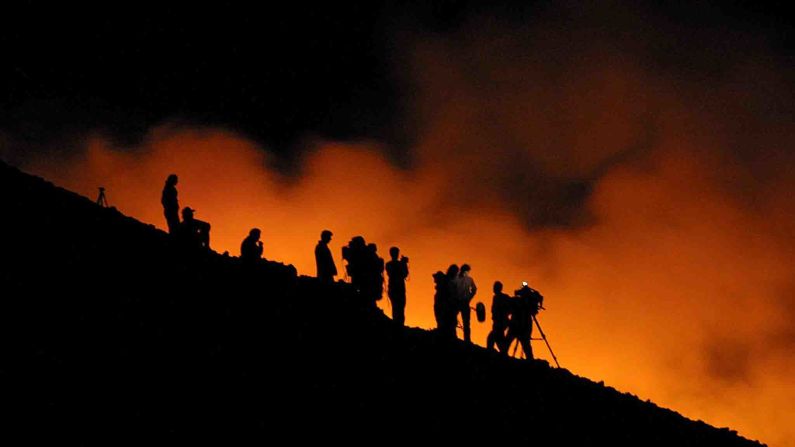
point(194, 232)
point(326, 269)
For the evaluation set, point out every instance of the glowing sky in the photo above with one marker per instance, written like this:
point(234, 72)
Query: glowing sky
point(634, 163)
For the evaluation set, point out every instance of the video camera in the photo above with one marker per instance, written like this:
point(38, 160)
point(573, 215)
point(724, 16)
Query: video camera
point(354, 249)
point(536, 300)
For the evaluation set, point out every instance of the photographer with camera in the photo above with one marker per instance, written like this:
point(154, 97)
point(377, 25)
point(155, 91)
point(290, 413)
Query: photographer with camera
point(365, 268)
point(398, 271)
point(525, 305)
point(354, 255)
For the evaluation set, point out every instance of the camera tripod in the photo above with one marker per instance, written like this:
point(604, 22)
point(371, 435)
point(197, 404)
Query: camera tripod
point(543, 337)
point(101, 200)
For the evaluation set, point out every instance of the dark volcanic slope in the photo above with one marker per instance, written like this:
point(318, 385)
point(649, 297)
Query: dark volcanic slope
point(111, 335)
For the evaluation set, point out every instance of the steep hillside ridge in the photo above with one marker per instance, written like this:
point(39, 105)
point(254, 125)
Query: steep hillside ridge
point(113, 335)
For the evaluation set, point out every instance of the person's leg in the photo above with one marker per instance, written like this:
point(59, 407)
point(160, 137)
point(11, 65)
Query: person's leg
point(526, 343)
point(527, 348)
point(399, 311)
point(490, 339)
point(172, 219)
point(465, 316)
point(501, 340)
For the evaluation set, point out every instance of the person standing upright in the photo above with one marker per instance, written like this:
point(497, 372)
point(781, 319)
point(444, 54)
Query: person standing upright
point(326, 269)
point(170, 203)
point(398, 271)
point(466, 290)
point(500, 314)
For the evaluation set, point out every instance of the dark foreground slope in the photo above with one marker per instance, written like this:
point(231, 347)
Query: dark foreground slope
point(111, 335)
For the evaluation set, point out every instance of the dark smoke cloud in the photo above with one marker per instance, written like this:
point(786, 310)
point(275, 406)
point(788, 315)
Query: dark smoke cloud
point(274, 76)
point(729, 359)
point(543, 101)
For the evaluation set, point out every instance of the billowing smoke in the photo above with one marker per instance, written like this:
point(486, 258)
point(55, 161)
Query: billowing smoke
point(641, 182)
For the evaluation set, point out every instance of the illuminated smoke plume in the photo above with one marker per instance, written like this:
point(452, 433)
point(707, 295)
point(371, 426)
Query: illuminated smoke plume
point(648, 198)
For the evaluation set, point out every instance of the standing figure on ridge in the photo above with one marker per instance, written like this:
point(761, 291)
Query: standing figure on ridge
point(326, 270)
point(466, 290)
point(524, 307)
point(439, 298)
point(374, 271)
point(251, 248)
point(398, 271)
point(500, 311)
point(444, 303)
point(170, 203)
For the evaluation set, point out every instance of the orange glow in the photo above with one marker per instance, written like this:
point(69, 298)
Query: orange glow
point(630, 299)
point(679, 288)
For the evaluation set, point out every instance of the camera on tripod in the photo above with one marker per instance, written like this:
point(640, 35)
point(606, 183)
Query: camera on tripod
point(532, 296)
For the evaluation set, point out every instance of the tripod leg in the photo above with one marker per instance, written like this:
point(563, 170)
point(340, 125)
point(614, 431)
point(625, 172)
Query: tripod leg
point(541, 331)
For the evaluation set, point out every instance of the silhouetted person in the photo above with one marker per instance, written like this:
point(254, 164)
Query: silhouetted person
point(465, 290)
point(444, 306)
point(524, 306)
point(170, 203)
point(365, 268)
point(251, 248)
point(326, 269)
point(440, 292)
point(374, 274)
point(194, 233)
point(398, 271)
point(500, 312)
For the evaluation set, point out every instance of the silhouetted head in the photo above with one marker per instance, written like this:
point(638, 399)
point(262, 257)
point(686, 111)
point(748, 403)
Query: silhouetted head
point(452, 271)
point(394, 252)
point(357, 241)
point(497, 287)
point(255, 233)
point(372, 247)
point(325, 236)
point(465, 269)
point(172, 180)
point(187, 213)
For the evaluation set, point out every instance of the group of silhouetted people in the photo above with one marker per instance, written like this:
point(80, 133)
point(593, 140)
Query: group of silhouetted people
point(365, 268)
point(453, 296)
point(512, 317)
point(190, 232)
